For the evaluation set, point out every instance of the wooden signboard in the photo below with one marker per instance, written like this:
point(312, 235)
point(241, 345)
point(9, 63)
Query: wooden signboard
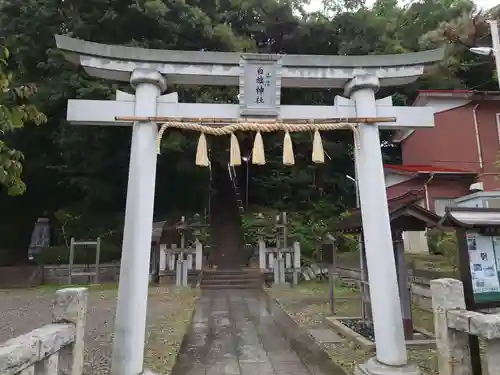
point(479, 255)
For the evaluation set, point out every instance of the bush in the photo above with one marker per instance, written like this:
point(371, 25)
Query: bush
point(445, 244)
point(83, 254)
point(347, 243)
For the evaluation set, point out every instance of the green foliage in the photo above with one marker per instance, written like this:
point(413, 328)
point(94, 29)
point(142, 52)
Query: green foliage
point(308, 227)
point(77, 223)
point(83, 254)
point(445, 244)
point(14, 113)
point(80, 173)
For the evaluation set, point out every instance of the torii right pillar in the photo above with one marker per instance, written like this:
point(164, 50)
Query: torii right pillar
point(391, 357)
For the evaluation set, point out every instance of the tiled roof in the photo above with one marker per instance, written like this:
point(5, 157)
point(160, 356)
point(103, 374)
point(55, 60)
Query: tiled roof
point(402, 205)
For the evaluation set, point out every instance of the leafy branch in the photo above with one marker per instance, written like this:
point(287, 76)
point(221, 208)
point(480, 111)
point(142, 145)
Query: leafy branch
point(14, 113)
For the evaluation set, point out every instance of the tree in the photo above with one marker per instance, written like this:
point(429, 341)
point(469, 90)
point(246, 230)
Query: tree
point(83, 170)
point(467, 29)
point(14, 113)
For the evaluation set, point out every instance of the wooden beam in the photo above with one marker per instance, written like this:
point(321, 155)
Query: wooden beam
point(366, 120)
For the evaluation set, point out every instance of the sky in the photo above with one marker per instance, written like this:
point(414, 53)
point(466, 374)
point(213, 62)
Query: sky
point(486, 4)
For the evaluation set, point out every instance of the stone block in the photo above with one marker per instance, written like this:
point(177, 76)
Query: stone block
point(486, 326)
point(323, 335)
point(460, 319)
point(25, 350)
point(70, 305)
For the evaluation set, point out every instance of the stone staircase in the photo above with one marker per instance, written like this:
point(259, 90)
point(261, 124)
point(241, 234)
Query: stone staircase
point(247, 279)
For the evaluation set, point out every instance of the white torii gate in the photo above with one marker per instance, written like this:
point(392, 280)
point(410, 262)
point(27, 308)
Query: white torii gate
point(148, 72)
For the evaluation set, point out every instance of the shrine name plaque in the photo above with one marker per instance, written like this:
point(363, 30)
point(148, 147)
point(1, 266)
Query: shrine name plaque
point(260, 85)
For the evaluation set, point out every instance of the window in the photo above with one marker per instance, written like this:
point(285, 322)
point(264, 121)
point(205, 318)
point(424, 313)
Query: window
point(441, 204)
point(492, 203)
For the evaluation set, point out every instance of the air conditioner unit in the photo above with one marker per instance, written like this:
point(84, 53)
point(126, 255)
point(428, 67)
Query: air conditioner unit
point(476, 186)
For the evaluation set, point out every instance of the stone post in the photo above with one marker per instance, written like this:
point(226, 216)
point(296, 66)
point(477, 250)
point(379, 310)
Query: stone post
point(185, 268)
point(281, 267)
point(163, 257)
point(288, 260)
point(296, 262)
point(262, 254)
point(404, 287)
point(276, 271)
point(270, 260)
point(130, 321)
point(70, 305)
point(199, 254)
point(452, 345)
point(386, 309)
point(178, 272)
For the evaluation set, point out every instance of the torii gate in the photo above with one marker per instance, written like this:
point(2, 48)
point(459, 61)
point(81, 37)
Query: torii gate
point(148, 72)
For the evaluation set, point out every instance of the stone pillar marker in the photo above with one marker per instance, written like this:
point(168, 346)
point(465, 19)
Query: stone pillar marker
point(384, 294)
point(130, 320)
point(70, 305)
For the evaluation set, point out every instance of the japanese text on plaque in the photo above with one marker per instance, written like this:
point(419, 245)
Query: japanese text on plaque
point(263, 81)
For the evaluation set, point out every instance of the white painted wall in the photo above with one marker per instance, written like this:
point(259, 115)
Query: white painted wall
point(416, 242)
point(441, 104)
point(392, 178)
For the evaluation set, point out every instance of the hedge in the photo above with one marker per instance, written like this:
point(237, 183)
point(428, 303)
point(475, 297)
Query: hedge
point(83, 254)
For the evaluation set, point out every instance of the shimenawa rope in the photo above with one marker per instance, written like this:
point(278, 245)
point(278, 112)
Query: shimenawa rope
point(258, 156)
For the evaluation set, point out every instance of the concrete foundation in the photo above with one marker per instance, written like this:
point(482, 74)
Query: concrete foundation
point(373, 367)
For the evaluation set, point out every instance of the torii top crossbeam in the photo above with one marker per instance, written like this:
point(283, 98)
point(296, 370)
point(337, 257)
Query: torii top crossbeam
point(223, 68)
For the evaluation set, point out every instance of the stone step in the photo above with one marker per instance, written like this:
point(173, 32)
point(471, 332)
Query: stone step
point(225, 276)
point(230, 281)
point(250, 286)
point(222, 271)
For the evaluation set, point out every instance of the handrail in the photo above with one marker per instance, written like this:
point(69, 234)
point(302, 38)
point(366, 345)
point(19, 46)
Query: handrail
point(454, 325)
point(53, 348)
point(232, 176)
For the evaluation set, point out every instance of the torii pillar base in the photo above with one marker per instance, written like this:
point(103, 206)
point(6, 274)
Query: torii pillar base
point(374, 367)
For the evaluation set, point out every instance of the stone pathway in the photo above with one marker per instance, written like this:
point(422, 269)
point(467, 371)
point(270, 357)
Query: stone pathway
point(246, 333)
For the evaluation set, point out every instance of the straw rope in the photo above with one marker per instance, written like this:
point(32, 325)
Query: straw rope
point(257, 127)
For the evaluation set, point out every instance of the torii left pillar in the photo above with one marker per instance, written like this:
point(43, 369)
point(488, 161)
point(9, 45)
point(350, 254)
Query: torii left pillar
point(131, 309)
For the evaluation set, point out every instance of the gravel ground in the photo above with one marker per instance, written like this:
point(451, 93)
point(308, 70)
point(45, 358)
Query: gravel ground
point(169, 313)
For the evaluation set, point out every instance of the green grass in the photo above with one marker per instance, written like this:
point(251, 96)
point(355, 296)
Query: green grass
point(54, 287)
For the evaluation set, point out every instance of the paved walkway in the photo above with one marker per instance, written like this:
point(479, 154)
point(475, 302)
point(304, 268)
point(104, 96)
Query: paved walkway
point(245, 333)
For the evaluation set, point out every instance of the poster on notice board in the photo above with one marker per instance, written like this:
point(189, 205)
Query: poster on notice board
point(484, 263)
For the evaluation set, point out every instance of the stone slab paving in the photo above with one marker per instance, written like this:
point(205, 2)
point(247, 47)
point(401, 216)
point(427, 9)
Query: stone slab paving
point(323, 335)
point(240, 333)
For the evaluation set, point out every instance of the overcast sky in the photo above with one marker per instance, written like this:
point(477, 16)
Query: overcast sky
point(316, 4)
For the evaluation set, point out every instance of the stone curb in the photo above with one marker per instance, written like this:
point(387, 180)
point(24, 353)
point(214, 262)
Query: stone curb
point(339, 327)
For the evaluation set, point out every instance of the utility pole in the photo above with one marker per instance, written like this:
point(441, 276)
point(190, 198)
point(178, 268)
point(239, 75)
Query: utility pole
point(496, 46)
point(494, 50)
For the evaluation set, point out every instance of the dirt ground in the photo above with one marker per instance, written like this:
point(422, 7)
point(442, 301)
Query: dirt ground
point(169, 313)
